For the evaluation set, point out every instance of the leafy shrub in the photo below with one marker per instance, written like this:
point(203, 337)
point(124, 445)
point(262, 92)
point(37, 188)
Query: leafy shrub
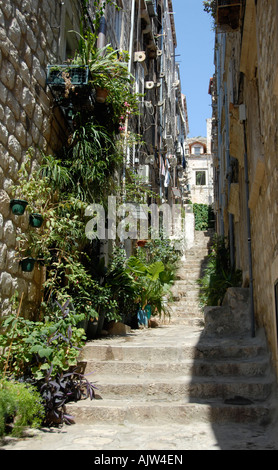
point(20, 406)
point(123, 287)
point(161, 249)
point(45, 355)
point(31, 348)
point(203, 216)
point(57, 391)
point(218, 275)
point(154, 283)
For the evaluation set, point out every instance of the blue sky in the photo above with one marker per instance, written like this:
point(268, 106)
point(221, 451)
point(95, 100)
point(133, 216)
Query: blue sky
point(195, 39)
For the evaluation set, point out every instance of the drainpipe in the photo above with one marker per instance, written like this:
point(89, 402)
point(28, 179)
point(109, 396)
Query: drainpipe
point(229, 169)
point(253, 326)
point(101, 41)
point(131, 36)
point(126, 149)
point(219, 104)
point(162, 68)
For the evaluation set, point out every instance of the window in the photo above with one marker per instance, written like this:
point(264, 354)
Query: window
point(200, 178)
point(197, 150)
point(118, 26)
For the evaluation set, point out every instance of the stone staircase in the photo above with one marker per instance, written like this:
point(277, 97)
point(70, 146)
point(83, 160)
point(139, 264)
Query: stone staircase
point(185, 308)
point(180, 373)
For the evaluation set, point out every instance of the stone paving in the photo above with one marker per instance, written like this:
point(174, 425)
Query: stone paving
point(196, 435)
point(201, 436)
point(174, 419)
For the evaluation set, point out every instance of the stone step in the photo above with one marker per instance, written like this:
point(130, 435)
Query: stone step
point(174, 350)
point(187, 314)
point(197, 368)
point(183, 284)
point(194, 320)
point(179, 373)
point(140, 412)
point(190, 275)
point(190, 318)
point(196, 259)
point(178, 388)
point(185, 306)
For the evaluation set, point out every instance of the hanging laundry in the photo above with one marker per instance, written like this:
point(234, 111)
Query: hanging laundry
point(167, 179)
point(162, 167)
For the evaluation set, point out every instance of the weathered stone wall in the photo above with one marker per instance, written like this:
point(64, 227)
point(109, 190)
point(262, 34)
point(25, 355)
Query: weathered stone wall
point(250, 72)
point(29, 40)
point(119, 36)
point(265, 209)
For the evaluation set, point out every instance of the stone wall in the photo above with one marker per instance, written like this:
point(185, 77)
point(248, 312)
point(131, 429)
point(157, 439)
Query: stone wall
point(249, 71)
point(200, 194)
point(264, 213)
point(29, 41)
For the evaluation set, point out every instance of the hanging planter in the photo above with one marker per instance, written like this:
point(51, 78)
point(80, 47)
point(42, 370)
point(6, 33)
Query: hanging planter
point(101, 94)
point(18, 206)
point(36, 220)
point(27, 264)
point(78, 75)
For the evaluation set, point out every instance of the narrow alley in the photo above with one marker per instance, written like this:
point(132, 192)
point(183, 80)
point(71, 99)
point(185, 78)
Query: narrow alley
point(173, 387)
point(105, 182)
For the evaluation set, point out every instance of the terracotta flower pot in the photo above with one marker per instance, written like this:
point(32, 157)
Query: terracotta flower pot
point(101, 95)
point(141, 243)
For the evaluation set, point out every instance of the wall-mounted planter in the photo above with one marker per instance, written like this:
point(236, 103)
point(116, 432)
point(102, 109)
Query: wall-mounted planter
point(18, 206)
point(27, 264)
point(78, 75)
point(36, 220)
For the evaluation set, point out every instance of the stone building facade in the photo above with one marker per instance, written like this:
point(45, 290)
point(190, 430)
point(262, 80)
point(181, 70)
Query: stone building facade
point(36, 33)
point(199, 169)
point(245, 118)
point(30, 39)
